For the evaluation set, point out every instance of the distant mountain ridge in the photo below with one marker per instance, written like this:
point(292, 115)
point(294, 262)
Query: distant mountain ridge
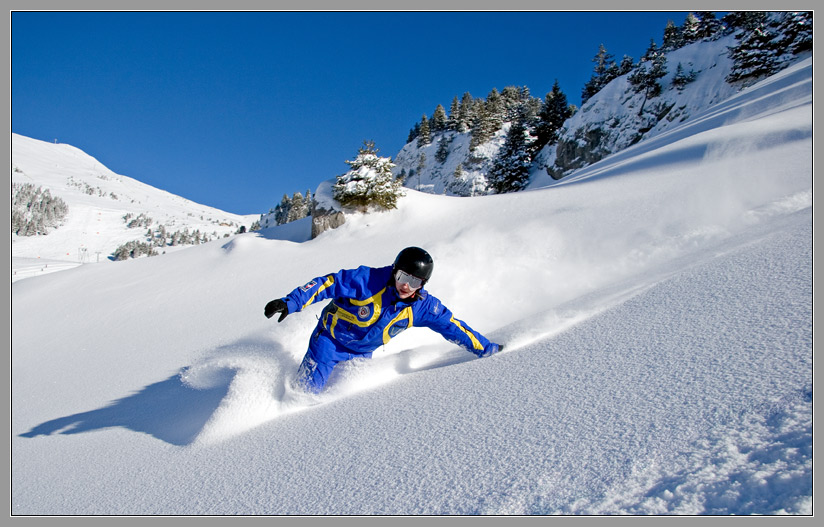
point(106, 211)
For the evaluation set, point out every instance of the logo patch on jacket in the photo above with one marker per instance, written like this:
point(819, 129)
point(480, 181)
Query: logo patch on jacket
point(363, 312)
point(309, 286)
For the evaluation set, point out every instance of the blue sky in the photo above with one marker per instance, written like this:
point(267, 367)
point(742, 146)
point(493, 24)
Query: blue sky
point(235, 109)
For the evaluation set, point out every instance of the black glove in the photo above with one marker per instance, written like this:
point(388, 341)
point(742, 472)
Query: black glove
point(276, 306)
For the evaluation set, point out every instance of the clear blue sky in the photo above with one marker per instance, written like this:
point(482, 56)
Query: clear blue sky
point(233, 109)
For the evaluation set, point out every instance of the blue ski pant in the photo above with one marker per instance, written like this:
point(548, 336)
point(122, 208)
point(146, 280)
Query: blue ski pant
point(323, 354)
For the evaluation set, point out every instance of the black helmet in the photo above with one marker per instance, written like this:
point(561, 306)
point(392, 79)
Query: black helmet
point(416, 262)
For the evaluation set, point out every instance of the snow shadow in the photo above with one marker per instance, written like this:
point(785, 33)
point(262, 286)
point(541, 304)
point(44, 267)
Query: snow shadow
point(297, 231)
point(230, 390)
point(168, 410)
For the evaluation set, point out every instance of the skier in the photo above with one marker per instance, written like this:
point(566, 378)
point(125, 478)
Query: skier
point(369, 307)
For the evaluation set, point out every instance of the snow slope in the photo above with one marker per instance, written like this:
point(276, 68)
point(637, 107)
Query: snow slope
point(98, 200)
point(657, 308)
point(613, 112)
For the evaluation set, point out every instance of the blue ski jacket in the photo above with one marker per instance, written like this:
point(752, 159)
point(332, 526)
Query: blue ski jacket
point(366, 311)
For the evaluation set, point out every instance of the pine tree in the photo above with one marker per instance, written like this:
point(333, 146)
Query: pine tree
point(511, 102)
point(554, 112)
point(369, 182)
point(495, 110)
point(299, 208)
point(438, 121)
point(626, 65)
point(482, 127)
point(425, 135)
point(531, 110)
point(745, 20)
point(755, 55)
point(488, 118)
point(681, 77)
point(443, 150)
point(454, 113)
point(796, 28)
point(282, 210)
point(673, 37)
point(708, 25)
point(414, 132)
point(510, 168)
point(35, 210)
point(466, 113)
point(691, 29)
point(652, 67)
point(605, 70)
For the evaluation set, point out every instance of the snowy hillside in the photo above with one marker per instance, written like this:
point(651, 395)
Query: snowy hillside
point(657, 308)
point(615, 118)
point(98, 201)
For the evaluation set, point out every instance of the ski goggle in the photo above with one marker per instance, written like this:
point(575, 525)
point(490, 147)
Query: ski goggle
point(402, 277)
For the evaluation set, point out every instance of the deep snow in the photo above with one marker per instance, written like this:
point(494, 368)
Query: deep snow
point(658, 311)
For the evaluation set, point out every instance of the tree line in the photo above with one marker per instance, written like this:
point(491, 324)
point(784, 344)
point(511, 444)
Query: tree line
point(34, 211)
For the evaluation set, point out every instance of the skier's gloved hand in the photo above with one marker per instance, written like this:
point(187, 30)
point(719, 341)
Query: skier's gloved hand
point(276, 306)
point(491, 349)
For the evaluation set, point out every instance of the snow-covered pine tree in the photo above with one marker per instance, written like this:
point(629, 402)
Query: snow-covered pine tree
point(746, 20)
point(299, 208)
point(443, 149)
point(708, 25)
point(510, 168)
point(681, 77)
point(496, 110)
point(424, 134)
point(673, 37)
point(626, 65)
point(765, 42)
point(438, 121)
point(282, 210)
point(511, 99)
point(454, 112)
point(531, 107)
point(755, 55)
point(466, 113)
point(796, 27)
point(35, 210)
point(691, 29)
point(133, 249)
point(481, 130)
point(554, 112)
point(369, 183)
point(644, 79)
point(488, 119)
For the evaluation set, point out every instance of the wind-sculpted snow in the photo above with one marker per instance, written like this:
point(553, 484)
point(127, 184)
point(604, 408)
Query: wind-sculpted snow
point(656, 310)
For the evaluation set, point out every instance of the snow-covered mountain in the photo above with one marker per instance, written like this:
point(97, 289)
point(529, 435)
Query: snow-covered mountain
point(101, 205)
point(657, 312)
point(615, 118)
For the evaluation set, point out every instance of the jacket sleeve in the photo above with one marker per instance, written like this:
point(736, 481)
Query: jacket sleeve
point(437, 317)
point(345, 283)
